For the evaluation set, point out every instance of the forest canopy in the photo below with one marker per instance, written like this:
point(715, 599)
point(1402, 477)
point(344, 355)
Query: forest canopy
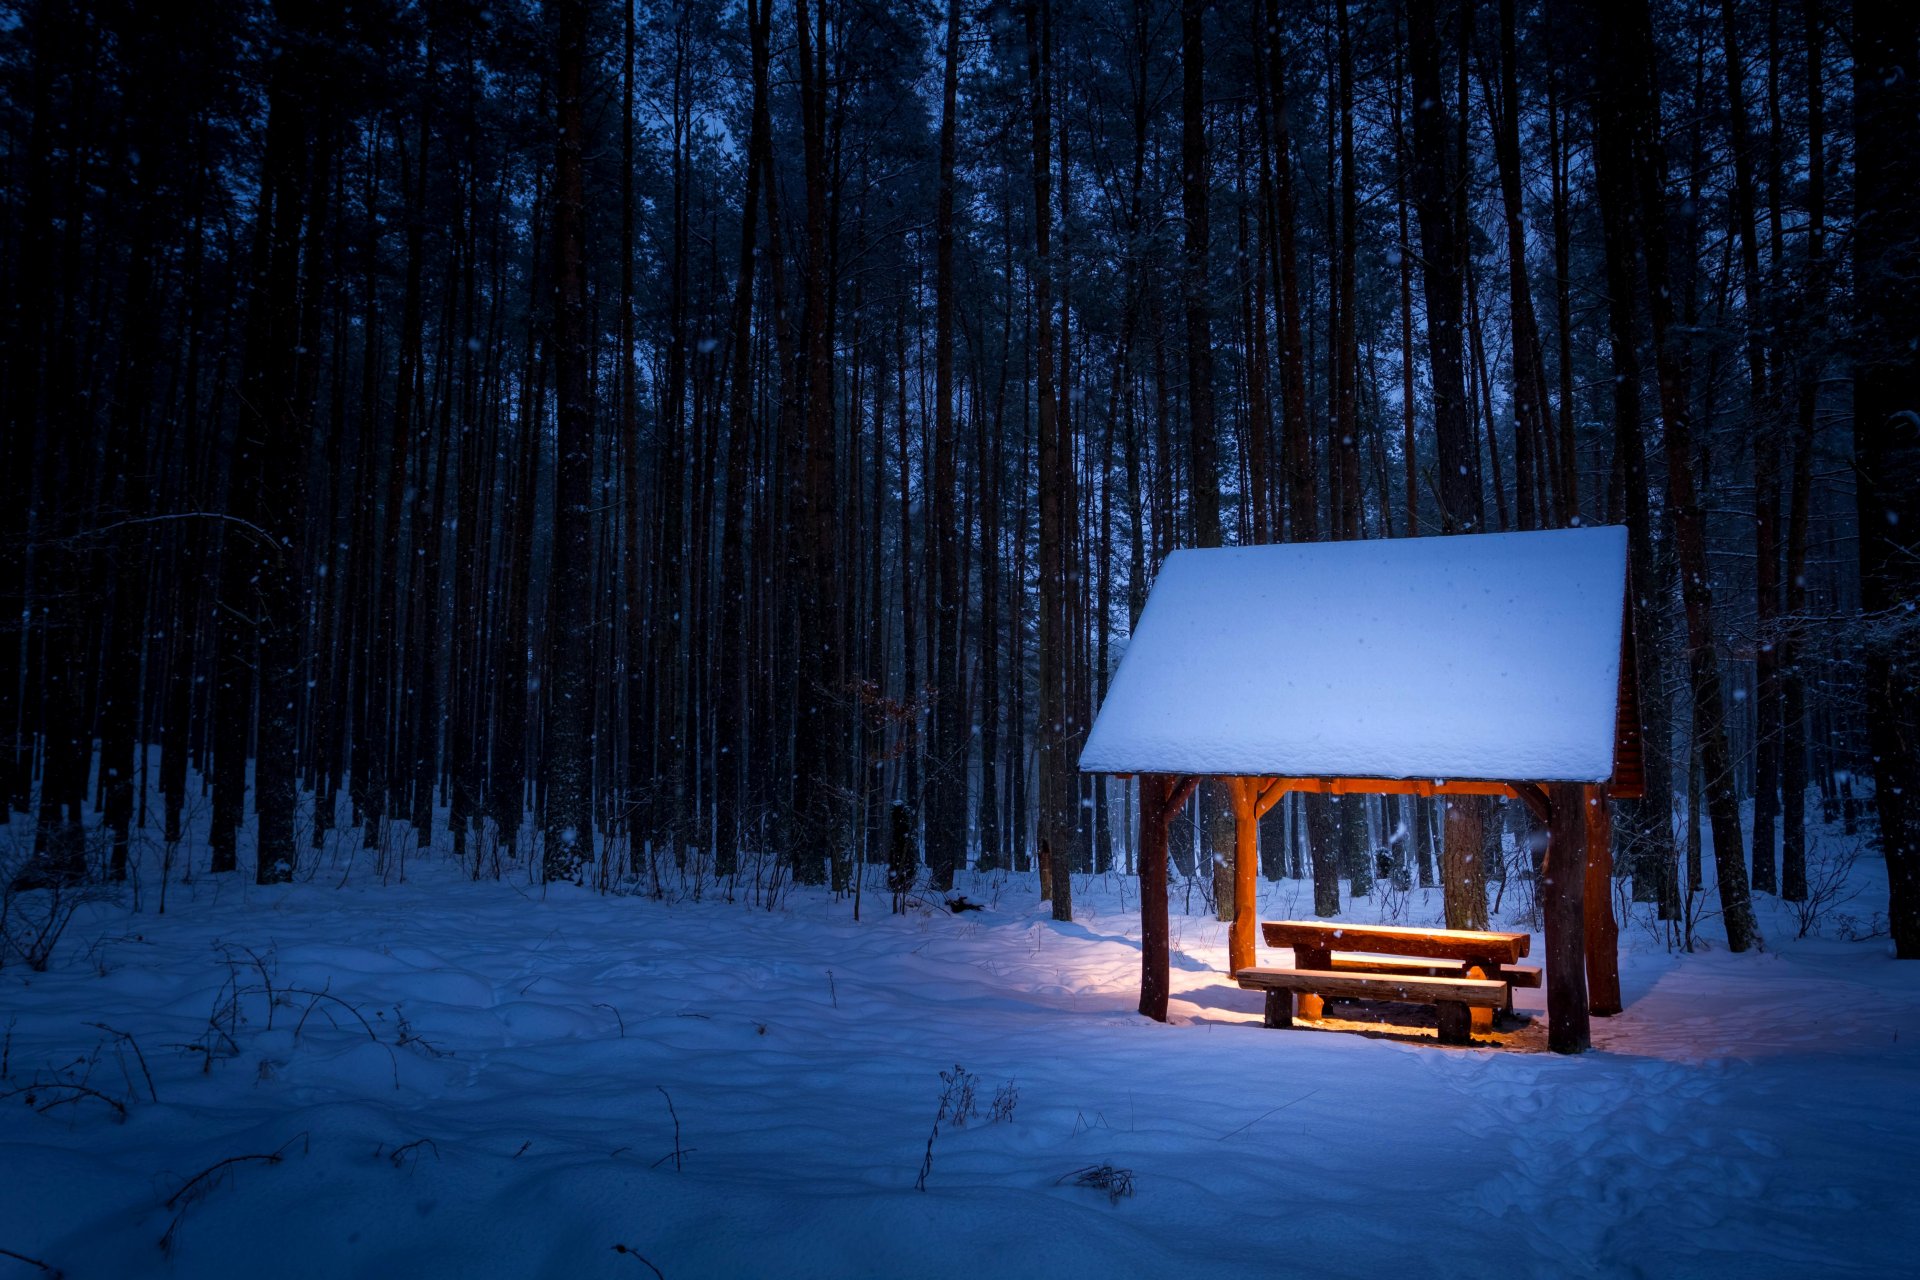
point(733, 440)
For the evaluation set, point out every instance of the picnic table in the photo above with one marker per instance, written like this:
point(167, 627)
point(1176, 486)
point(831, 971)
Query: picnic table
point(1465, 974)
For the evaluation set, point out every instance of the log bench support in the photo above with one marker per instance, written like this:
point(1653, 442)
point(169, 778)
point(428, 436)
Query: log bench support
point(1454, 999)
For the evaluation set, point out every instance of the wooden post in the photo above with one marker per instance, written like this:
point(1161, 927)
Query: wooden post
point(1155, 967)
point(1480, 1016)
point(1312, 1007)
point(1603, 932)
point(1562, 895)
point(1241, 936)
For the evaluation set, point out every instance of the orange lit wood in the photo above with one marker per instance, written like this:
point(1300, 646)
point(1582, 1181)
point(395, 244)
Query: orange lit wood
point(1246, 860)
point(1514, 975)
point(1460, 1002)
point(1375, 986)
point(1482, 1014)
point(1313, 958)
point(1466, 945)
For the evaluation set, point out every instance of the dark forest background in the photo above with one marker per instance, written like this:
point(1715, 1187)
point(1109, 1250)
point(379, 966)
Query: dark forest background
point(722, 443)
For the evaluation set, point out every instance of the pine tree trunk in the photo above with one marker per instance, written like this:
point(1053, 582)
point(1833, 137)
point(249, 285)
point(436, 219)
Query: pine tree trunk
point(1886, 258)
point(1766, 469)
point(947, 770)
point(567, 775)
point(1056, 777)
point(1794, 745)
point(1630, 105)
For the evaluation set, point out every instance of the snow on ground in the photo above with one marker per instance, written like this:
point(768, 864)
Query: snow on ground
point(505, 1111)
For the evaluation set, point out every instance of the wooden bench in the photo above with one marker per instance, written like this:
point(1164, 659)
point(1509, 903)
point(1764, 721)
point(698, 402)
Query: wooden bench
point(1403, 960)
point(1452, 998)
point(1514, 975)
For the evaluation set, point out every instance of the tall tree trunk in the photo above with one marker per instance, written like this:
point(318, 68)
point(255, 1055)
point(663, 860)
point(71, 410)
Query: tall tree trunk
point(1886, 370)
point(270, 462)
point(1531, 428)
point(1203, 442)
point(1558, 164)
point(1629, 106)
point(1460, 500)
point(947, 770)
point(1761, 430)
point(1303, 524)
point(1463, 876)
point(1793, 695)
point(1057, 819)
point(1409, 447)
point(734, 686)
point(820, 734)
point(568, 773)
point(1345, 445)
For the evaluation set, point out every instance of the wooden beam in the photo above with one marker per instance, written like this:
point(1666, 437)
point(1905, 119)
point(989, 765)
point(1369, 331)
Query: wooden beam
point(1350, 786)
point(1269, 792)
point(1246, 863)
point(1603, 931)
point(1464, 945)
point(1156, 974)
point(1374, 986)
point(1530, 794)
point(1563, 893)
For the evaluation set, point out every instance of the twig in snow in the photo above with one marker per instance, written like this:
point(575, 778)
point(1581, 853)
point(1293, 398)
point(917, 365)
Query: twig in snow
point(126, 1037)
point(313, 1002)
point(677, 1153)
point(399, 1154)
point(202, 1183)
point(266, 978)
point(55, 1272)
point(407, 1036)
point(522, 1151)
point(635, 1253)
point(833, 991)
point(616, 1017)
point(956, 1100)
point(1264, 1114)
point(1102, 1177)
point(75, 1092)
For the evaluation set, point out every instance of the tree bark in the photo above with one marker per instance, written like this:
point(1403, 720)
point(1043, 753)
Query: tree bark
point(947, 770)
point(568, 775)
point(1886, 259)
point(1057, 819)
point(1628, 88)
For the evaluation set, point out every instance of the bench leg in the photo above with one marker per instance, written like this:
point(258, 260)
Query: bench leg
point(1456, 1024)
point(1312, 1007)
point(1483, 1017)
point(1279, 1009)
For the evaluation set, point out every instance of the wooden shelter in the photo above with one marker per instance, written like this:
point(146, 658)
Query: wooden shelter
point(1488, 664)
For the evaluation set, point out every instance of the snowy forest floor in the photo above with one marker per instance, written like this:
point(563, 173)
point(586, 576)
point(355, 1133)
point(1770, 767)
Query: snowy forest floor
point(438, 1076)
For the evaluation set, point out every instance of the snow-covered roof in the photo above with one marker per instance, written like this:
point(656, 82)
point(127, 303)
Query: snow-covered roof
point(1486, 656)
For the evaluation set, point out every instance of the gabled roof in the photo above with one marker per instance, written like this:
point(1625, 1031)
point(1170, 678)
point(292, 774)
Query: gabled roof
point(1487, 656)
